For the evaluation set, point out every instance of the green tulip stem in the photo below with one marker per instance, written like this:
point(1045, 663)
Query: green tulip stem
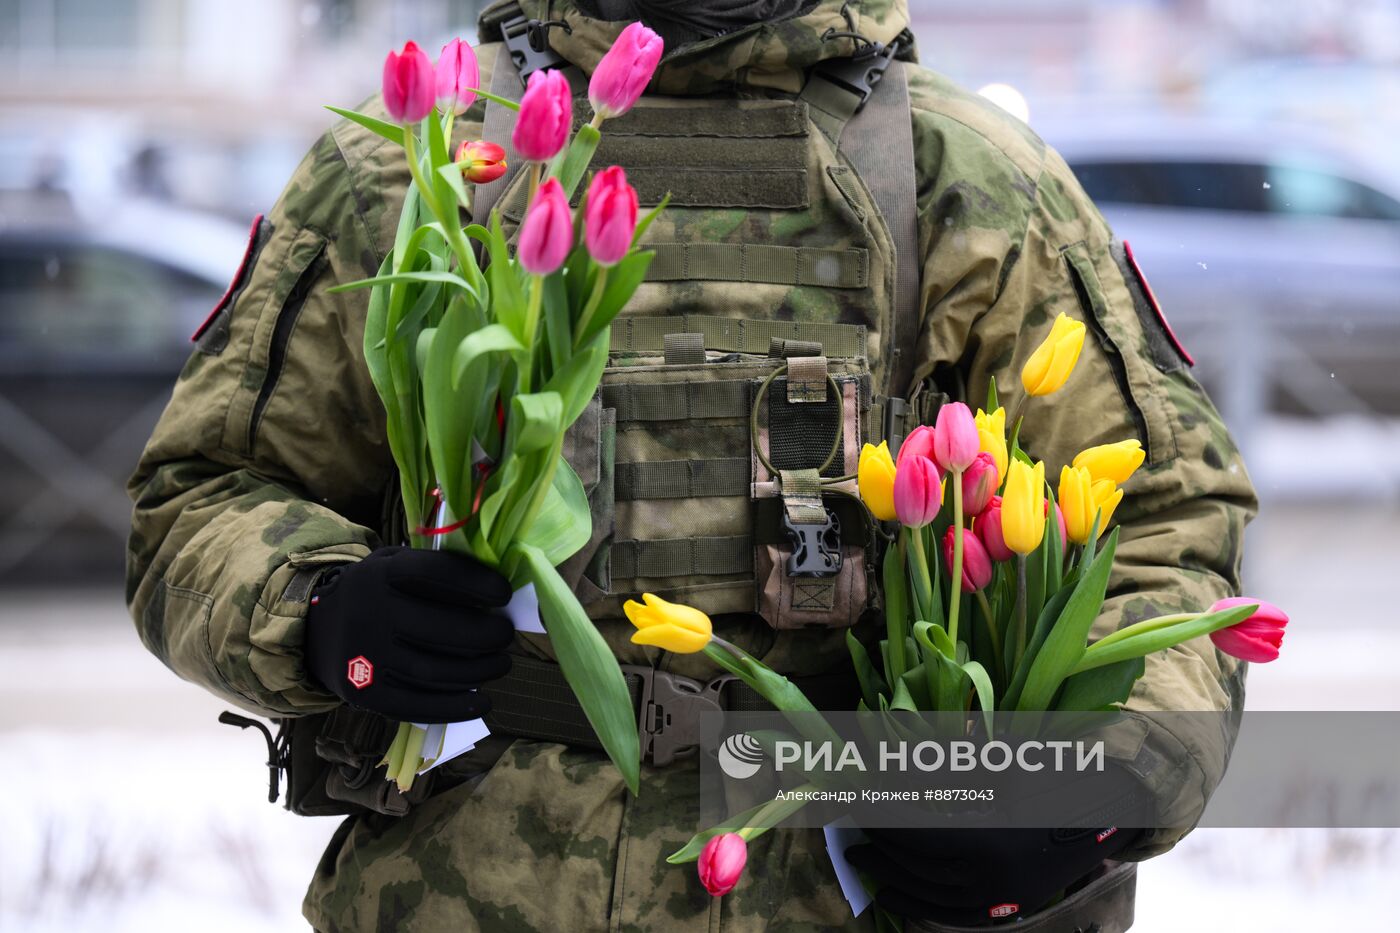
point(412, 758)
point(923, 586)
point(896, 619)
point(955, 584)
point(1146, 625)
point(597, 121)
point(425, 190)
point(532, 323)
point(393, 758)
point(594, 299)
point(448, 219)
point(1020, 606)
point(991, 626)
point(536, 170)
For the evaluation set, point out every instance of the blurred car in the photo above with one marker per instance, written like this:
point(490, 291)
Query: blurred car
point(1274, 252)
point(96, 312)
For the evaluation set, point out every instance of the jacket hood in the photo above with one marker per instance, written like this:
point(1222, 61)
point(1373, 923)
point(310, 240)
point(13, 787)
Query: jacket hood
point(773, 55)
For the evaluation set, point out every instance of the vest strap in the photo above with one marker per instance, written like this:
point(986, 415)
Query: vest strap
point(647, 335)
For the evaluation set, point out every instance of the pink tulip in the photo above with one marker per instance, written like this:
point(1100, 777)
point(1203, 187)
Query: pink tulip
point(624, 72)
point(546, 117)
point(1256, 639)
point(610, 217)
point(547, 235)
point(722, 862)
point(481, 161)
point(979, 482)
point(977, 563)
point(457, 77)
point(408, 84)
point(918, 492)
point(955, 439)
point(919, 443)
point(988, 528)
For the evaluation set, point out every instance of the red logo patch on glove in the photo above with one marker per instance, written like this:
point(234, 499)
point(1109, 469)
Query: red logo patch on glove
point(360, 672)
point(1004, 910)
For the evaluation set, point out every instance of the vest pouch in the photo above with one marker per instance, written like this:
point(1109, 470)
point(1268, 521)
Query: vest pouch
point(696, 517)
point(806, 449)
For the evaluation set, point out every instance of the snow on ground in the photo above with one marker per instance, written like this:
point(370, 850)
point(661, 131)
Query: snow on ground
point(129, 808)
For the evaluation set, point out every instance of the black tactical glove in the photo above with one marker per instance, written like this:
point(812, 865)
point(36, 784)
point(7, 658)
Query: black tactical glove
point(970, 877)
point(410, 634)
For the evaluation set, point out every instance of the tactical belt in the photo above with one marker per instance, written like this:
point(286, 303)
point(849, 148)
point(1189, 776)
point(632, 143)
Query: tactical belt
point(534, 701)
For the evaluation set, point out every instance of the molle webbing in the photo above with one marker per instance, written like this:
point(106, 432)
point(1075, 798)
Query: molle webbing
point(741, 120)
point(753, 157)
point(678, 401)
point(766, 264)
point(679, 557)
point(647, 335)
point(725, 555)
point(682, 479)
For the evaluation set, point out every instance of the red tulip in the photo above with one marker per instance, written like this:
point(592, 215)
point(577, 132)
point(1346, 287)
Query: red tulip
point(610, 217)
point(457, 77)
point(919, 443)
point(547, 235)
point(545, 118)
point(1256, 639)
point(988, 528)
point(408, 84)
point(722, 862)
point(979, 482)
point(918, 492)
point(624, 72)
point(977, 563)
point(481, 161)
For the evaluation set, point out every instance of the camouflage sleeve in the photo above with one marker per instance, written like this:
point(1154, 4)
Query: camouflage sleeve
point(1011, 240)
point(270, 456)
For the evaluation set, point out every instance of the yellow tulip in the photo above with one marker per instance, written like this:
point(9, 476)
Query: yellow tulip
point(1023, 507)
point(1077, 503)
point(1114, 462)
point(875, 476)
point(991, 438)
point(668, 625)
point(1106, 498)
point(1053, 361)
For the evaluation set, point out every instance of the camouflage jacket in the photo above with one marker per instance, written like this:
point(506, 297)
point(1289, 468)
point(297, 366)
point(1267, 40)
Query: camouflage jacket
point(271, 457)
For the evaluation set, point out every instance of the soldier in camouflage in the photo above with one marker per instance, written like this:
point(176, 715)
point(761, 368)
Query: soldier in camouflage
point(270, 464)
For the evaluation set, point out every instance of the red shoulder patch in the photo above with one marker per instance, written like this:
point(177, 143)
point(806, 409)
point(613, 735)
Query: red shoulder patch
point(237, 278)
point(1156, 305)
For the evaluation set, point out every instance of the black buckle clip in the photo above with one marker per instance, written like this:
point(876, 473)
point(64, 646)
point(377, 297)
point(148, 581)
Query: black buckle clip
point(816, 548)
point(278, 753)
point(528, 47)
point(668, 717)
point(860, 73)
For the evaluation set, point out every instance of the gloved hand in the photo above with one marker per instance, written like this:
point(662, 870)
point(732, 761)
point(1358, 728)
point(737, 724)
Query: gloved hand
point(973, 876)
point(410, 634)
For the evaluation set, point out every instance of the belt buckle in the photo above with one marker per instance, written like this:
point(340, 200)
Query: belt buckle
point(668, 716)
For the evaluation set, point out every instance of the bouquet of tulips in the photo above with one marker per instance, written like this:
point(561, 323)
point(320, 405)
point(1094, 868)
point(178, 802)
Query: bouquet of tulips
point(991, 584)
point(484, 357)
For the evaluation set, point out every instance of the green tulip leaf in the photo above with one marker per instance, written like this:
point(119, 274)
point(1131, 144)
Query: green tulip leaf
point(587, 663)
point(535, 421)
point(1065, 644)
point(1101, 687)
point(564, 523)
point(390, 131)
